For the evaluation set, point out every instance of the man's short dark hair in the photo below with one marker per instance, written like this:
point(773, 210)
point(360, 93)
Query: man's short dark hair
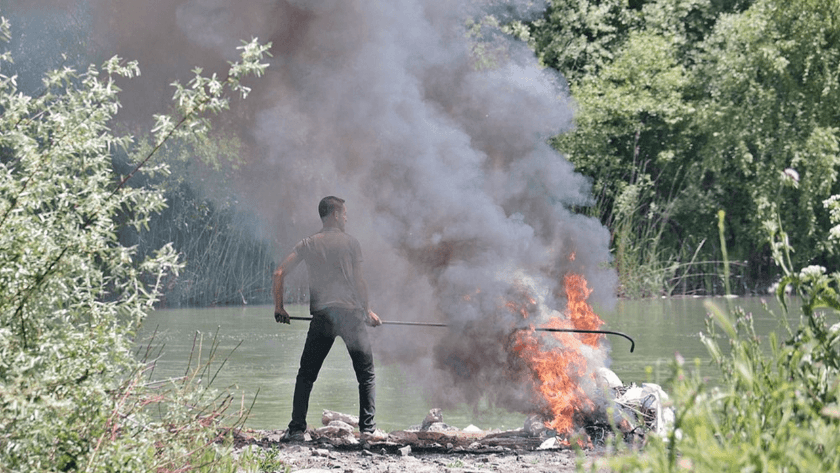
point(329, 204)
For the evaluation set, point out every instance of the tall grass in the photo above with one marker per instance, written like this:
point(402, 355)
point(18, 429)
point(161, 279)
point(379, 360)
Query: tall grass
point(721, 217)
point(776, 408)
point(225, 262)
point(648, 263)
point(777, 405)
point(651, 261)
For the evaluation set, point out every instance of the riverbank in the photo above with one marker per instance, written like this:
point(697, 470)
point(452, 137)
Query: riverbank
point(404, 452)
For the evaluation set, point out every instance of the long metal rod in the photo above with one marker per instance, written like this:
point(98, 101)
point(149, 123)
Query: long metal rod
point(390, 322)
point(538, 329)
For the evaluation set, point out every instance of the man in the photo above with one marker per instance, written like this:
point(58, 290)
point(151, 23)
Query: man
point(338, 301)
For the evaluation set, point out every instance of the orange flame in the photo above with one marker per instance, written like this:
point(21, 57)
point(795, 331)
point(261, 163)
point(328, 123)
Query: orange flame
point(558, 369)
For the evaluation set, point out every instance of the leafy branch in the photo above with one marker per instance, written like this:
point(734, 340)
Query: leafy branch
point(204, 95)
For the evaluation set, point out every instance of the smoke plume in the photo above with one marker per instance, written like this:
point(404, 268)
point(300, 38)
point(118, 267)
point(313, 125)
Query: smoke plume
point(430, 123)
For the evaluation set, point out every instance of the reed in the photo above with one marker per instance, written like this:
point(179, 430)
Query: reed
point(721, 216)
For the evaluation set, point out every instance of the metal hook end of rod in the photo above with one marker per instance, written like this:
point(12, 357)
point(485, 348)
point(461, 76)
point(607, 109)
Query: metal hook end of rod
point(574, 330)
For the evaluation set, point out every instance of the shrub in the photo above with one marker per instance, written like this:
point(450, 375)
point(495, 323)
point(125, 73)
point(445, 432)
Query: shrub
point(72, 395)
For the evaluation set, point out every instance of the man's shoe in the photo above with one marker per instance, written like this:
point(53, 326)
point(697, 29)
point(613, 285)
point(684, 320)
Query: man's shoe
point(293, 436)
point(376, 435)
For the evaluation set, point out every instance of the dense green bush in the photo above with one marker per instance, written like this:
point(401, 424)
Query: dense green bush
point(72, 393)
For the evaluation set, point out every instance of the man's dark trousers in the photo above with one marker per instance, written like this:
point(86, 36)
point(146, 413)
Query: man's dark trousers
point(325, 326)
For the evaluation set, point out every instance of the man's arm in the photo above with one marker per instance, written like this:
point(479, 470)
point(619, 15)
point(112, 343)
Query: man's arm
point(361, 290)
point(288, 264)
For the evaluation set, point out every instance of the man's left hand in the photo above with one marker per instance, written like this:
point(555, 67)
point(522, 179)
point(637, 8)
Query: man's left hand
point(373, 319)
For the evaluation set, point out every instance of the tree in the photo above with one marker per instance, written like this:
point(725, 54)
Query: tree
point(688, 107)
point(769, 117)
point(579, 37)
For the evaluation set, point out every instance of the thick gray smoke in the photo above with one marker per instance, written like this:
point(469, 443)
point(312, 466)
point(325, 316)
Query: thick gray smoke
point(436, 139)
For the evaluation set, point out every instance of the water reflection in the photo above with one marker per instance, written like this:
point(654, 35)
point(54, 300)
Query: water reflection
point(268, 358)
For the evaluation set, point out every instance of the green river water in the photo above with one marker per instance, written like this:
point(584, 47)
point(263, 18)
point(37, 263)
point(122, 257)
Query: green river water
point(267, 359)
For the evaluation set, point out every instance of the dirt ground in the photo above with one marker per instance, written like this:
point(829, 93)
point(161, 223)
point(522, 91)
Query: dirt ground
point(399, 452)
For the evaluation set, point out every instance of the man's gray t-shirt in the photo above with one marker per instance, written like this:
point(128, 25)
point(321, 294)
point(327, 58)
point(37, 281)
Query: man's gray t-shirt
point(331, 257)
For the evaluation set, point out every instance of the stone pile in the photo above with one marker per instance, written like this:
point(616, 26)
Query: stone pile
point(433, 445)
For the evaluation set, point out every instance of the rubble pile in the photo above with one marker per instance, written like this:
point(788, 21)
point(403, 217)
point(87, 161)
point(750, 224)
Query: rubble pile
point(432, 445)
point(636, 411)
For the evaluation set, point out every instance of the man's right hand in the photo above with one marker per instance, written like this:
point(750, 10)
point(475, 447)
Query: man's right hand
point(281, 316)
point(373, 319)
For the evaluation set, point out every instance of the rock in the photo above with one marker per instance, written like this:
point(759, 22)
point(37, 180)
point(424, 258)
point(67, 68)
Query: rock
point(549, 444)
point(609, 378)
point(535, 425)
point(378, 435)
point(472, 429)
point(440, 427)
point(346, 441)
point(335, 429)
point(402, 436)
point(435, 415)
point(341, 425)
point(425, 454)
point(330, 416)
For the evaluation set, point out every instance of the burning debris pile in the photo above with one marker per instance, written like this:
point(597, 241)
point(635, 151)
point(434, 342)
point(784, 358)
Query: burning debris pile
point(635, 411)
point(558, 361)
point(555, 361)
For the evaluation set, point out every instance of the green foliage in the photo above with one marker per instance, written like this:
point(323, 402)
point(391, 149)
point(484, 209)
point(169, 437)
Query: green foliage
point(264, 460)
point(637, 236)
point(777, 407)
point(711, 105)
point(579, 37)
point(70, 294)
point(769, 113)
point(633, 136)
point(223, 261)
point(456, 464)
